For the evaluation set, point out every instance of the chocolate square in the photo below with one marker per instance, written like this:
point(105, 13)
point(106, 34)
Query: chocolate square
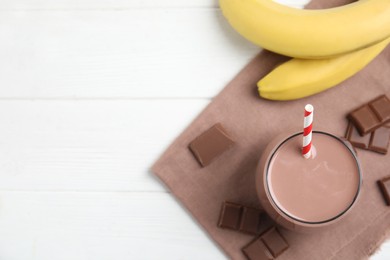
point(376, 141)
point(230, 215)
point(364, 119)
point(274, 241)
point(244, 219)
point(381, 107)
point(251, 220)
point(379, 141)
point(256, 250)
point(384, 185)
point(356, 139)
point(371, 115)
point(210, 144)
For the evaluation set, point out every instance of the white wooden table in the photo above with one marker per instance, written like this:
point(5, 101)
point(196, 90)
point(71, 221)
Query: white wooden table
point(91, 93)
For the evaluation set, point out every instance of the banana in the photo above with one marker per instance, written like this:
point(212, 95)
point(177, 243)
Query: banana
point(298, 78)
point(309, 34)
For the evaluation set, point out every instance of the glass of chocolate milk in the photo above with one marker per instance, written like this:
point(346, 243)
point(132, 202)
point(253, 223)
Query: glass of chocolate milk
point(307, 194)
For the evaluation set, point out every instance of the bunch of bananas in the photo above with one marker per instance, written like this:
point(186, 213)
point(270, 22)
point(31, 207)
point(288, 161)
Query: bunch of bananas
point(327, 46)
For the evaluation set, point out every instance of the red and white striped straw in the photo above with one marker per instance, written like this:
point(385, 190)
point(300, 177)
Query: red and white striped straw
point(307, 131)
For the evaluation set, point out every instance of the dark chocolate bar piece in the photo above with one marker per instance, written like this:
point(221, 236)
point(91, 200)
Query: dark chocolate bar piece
point(377, 141)
point(230, 215)
point(269, 245)
point(244, 219)
point(211, 144)
point(384, 185)
point(364, 120)
point(371, 116)
point(356, 139)
point(255, 221)
point(381, 108)
point(256, 250)
point(274, 241)
point(250, 220)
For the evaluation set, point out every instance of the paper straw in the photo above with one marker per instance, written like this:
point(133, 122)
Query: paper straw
point(307, 131)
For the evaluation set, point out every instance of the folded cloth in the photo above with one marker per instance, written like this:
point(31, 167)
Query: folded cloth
point(252, 122)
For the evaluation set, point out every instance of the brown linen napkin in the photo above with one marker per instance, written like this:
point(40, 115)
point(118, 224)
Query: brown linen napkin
point(252, 122)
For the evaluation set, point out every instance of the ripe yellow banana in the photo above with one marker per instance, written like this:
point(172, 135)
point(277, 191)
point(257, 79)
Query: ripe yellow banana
point(309, 34)
point(298, 78)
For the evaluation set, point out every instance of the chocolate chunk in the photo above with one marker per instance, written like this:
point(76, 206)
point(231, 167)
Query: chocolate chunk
point(251, 219)
point(356, 139)
point(244, 219)
point(211, 144)
point(269, 245)
point(254, 221)
point(274, 241)
point(371, 116)
point(364, 120)
point(230, 215)
point(381, 108)
point(384, 186)
point(379, 141)
point(256, 250)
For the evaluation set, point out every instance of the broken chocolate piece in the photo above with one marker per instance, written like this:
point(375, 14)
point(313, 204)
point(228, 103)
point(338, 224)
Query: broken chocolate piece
point(381, 108)
point(377, 141)
point(244, 219)
point(356, 139)
point(371, 116)
point(250, 221)
point(384, 185)
point(269, 245)
point(364, 120)
point(274, 241)
point(230, 215)
point(211, 144)
point(256, 250)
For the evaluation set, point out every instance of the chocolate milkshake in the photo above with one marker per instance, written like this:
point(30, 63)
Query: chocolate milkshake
point(302, 194)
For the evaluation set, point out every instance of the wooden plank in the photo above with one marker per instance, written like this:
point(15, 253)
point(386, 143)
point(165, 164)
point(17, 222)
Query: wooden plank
point(79, 225)
point(117, 4)
point(105, 145)
point(103, 4)
point(118, 54)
